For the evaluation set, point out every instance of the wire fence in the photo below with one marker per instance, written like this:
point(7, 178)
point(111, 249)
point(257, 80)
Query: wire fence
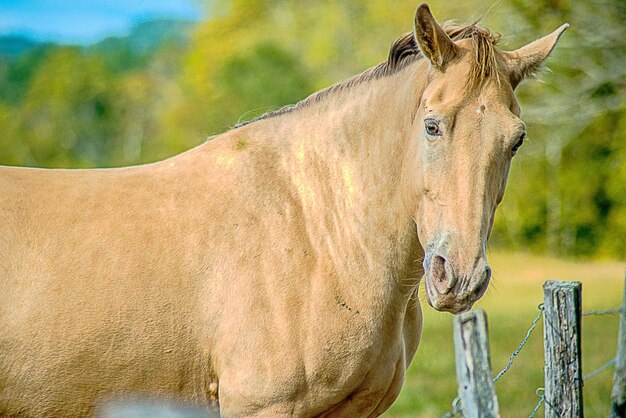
point(613, 311)
point(522, 344)
point(456, 407)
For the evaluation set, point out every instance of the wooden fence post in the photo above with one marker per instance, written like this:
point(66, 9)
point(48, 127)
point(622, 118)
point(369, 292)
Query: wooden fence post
point(473, 366)
point(618, 395)
point(561, 343)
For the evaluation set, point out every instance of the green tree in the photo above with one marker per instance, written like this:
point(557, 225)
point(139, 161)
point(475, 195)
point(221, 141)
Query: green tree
point(159, 92)
point(562, 197)
point(65, 118)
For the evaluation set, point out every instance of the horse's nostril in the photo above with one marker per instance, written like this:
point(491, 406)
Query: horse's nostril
point(487, 275)
point(439, 266)
point(481, 287)
point(438, 274)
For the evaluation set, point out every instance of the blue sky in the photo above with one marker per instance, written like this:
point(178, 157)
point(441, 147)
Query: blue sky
point(83, 21)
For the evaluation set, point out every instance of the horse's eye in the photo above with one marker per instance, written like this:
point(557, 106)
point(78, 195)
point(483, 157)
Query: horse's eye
point(432, 127)
point(519, 143)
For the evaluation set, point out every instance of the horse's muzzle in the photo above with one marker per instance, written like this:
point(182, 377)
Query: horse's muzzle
point(448, 289)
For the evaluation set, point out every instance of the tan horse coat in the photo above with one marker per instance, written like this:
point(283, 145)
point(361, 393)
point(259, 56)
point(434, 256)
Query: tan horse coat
point(272, 269)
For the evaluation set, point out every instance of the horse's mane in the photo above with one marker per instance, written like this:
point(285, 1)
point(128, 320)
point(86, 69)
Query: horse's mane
point(403, 52)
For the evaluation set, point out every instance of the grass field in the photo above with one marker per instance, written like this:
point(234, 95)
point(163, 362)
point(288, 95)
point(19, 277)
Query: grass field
point(511, 305)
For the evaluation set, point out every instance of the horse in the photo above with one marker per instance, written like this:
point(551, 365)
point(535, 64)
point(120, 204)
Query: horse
point(273, 270)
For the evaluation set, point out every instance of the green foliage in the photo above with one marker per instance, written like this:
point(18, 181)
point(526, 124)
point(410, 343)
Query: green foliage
point(17, 70)
point(167, 86)
point(136, 50)
point(82, 102)
point(564, 196)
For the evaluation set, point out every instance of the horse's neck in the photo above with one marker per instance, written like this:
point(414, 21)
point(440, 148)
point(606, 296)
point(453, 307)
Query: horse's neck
point(344, 156)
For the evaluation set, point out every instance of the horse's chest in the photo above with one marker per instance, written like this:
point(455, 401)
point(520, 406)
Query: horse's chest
point(357, 387)
point(337, 362)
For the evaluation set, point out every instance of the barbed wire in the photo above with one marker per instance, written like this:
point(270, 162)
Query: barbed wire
point(613, 311)
point(456, 403)
point(601, 368)
point(542, 398)
point(522, 344)
point(456, 408)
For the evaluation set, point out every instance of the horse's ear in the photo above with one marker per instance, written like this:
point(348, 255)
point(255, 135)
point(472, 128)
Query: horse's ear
point(525, 62)
point(432, 39)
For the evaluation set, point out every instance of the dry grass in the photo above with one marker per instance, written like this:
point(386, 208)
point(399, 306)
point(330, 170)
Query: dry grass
point(511, 305)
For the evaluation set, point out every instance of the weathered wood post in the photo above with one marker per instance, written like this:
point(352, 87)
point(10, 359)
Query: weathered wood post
point(618, 395)
point(561, 343)
point(473, 366)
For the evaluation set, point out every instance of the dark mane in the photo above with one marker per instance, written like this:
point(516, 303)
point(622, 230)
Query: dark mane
point(403, 52)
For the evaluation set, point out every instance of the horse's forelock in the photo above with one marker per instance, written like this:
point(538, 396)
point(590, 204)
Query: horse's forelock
point(404, 50)
point(485, 64)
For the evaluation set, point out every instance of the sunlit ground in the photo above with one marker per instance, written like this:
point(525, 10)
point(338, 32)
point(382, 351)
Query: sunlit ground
point(511, 305)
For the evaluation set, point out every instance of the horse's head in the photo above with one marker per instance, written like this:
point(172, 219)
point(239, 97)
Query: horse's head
point(467, 128)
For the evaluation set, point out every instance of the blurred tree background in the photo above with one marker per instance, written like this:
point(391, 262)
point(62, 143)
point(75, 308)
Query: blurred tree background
point(169, 84)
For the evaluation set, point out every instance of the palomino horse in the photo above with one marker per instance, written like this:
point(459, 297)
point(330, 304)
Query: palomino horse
point(272, 270)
